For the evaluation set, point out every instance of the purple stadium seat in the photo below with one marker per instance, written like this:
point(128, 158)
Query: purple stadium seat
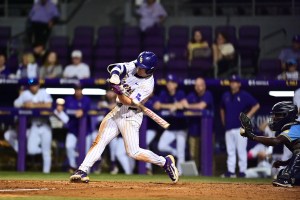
point(126, 55)
point(230, 31)
point(179, 32)
point(178, 67)
point(12, 63)
point(62, 52)
point(86, 31)
point(159, 51)
point(249, 32)
point(107, 32)
point(206, 32)
point(157, 31)
point(105, 52)
point(58, 41)
point(269, 68)
point(177, 53)
point(131, 41)
point(201, 67)
point(5, 32)
point(81, 41)
point(154, 41)
point(131, 31)
point(106, 42)
point(100, 68)
point(177, 42)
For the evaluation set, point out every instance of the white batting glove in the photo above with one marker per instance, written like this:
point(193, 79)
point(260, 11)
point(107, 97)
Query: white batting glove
point(115, 79)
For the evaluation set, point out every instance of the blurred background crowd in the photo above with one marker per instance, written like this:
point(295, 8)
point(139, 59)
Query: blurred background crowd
point(199, 41)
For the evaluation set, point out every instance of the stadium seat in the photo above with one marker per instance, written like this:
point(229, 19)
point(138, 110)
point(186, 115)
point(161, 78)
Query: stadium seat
point(269, 68)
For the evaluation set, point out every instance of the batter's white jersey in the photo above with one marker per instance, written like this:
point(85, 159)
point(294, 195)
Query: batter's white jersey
point(137, 88)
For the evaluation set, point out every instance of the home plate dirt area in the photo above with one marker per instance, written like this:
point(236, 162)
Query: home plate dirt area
point(145, 190)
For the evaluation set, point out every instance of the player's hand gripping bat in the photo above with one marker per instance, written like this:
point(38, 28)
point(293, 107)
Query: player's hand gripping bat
point(246, 130)
point(118, 89)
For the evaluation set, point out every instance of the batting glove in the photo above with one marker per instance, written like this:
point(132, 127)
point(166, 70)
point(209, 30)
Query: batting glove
point(115, 79)
point(117, 89)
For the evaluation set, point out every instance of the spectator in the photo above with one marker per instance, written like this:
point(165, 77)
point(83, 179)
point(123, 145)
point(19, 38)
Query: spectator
point(233, 102)
point(42, 17)
point(28, 68)
point(198, 47)
point(291, 72)
point(4, 71)
point(223, 54)
point(51, 67)
point(77, 69)
point(199, 99)
point(59, 119)
point(169, 101)
point(39, 136)
point(77, 106)
point(152, 13)
point(291, 52)
point(40, 53)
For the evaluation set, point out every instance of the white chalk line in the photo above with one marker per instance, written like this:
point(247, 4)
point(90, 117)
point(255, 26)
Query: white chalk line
point(23, 189)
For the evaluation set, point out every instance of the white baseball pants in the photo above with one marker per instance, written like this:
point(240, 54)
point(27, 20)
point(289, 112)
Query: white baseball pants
point(127, 122)
point(39, 142)
point(236, 144)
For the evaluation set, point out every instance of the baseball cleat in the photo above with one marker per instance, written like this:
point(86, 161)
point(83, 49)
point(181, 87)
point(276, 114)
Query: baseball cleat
point(171, 168)
point(228, 175)
point(282, 183)
point(79, 176)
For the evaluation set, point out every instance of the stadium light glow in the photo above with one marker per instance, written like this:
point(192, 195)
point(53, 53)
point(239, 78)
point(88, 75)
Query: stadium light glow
point(281, 93)
point(60, 91)
point(71, 91)
point(93, 91)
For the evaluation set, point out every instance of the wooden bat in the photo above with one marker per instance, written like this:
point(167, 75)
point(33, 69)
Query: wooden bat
point(160, 121)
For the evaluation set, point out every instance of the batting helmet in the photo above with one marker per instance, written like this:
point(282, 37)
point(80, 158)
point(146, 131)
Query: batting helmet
point(282, 113)
point(147, 60)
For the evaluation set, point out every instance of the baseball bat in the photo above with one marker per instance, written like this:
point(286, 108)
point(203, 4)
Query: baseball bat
point(160, 121)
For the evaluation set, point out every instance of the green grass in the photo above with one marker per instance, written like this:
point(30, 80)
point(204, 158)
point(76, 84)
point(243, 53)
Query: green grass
point(121, 177)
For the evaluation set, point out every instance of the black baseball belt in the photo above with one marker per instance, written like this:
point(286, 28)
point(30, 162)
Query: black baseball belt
point(129, 108)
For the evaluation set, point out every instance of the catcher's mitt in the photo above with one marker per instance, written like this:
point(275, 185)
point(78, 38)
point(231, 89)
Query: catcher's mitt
point(246, 130)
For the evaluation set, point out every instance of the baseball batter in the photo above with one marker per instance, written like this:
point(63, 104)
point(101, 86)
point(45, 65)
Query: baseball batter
point(133, 82)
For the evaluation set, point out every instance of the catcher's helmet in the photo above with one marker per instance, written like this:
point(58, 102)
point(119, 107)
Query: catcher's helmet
point(282, 113)
point(147, 60)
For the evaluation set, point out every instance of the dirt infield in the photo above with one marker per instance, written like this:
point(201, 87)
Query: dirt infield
point(150, 190)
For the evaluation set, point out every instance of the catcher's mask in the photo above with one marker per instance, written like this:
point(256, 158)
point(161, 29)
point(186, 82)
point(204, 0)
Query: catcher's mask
point(282, 113)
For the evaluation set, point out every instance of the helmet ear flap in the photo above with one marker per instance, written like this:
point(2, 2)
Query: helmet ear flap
point(150, 71)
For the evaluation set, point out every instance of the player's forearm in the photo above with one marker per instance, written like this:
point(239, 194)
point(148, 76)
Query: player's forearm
point(125, 100)
point(268, 141)
point(166, 106)
point(42, 105)
point(253, 110)
point(198, 106)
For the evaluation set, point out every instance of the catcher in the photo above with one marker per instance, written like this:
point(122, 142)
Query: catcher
point(283, 121)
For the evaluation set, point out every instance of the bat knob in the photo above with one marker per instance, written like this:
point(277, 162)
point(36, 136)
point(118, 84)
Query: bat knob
point(242, 131)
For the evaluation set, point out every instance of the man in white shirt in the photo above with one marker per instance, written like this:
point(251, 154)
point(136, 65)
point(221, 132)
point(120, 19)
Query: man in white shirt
point(77, 69)
point(40, 135)
point(151, 13)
